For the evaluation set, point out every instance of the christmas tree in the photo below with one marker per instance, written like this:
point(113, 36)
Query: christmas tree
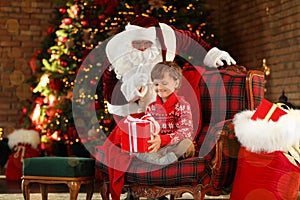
point(79, 27)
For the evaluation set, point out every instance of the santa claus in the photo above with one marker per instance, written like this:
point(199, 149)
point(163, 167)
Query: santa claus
point(126, 82)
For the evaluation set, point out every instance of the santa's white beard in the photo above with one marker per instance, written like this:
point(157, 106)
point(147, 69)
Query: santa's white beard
point(136, 59)
point(149, 55)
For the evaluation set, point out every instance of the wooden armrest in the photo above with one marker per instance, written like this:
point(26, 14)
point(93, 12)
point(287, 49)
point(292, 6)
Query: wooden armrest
point(226, 139)
point(252, 104)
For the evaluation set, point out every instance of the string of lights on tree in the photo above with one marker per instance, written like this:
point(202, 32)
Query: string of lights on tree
point(80, 26)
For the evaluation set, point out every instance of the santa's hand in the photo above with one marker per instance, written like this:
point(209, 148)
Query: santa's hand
point(133, 88)
point(215, 58)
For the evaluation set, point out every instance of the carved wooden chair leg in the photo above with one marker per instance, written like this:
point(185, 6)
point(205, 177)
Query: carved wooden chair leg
point(172, 197)
point(104, 191)
point(89, 191)
point(198, 195)
point(44, 191)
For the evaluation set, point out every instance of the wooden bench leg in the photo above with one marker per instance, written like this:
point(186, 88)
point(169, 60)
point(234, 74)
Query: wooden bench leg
point(25, 189)
point(74, 187)
point(44, 191)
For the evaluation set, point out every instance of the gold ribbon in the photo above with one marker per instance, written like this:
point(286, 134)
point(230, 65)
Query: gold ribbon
point(19, 149)
point(293, 154)
point(272, 110)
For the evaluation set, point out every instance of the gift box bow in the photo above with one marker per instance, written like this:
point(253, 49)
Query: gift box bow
point(269, 111)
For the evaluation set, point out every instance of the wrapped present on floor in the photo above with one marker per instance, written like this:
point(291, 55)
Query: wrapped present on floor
point(136, 133)
point(269, 159)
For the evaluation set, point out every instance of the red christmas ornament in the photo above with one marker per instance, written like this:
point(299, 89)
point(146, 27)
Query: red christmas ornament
point(84, 23)
point(62, 39)
point(24, 110)
point(106, 122)
point(39, 101)
point(63, 63)
point(62, 10)
point(55, 84)
point(50, 112)
point(101, 17)
point(67, 21)
point(72, 53)
point(50, 30)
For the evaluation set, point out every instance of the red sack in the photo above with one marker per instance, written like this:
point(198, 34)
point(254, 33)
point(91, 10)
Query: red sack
point(268, 164)
point(268, 176)
point(15, 161)
point(24, 144)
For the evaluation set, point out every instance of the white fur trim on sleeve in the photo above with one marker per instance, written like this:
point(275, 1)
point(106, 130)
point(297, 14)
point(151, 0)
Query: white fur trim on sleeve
point(267, 136)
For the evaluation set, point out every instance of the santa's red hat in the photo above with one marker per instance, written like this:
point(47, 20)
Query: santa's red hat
point(145, 21)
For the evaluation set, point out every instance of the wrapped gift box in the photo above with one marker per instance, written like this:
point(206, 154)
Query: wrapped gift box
point(268, 111)
point(135, 135)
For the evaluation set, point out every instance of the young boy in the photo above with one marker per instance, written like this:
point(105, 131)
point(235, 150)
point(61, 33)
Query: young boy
point(173, 113)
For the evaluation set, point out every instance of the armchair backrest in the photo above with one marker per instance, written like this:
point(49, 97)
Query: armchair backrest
point(229, 90)
point(222, 93)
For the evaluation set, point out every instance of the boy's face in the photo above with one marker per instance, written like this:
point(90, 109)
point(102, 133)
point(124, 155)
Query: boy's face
point(165, 87)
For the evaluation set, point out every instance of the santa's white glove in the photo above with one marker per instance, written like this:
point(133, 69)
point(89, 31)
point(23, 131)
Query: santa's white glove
point(215, 58)
point(135, 86)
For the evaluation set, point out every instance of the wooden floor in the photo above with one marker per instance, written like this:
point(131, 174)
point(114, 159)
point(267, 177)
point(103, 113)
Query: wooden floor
point(11, 190)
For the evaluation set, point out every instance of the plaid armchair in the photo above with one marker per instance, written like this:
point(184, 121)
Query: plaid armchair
point(222, 93)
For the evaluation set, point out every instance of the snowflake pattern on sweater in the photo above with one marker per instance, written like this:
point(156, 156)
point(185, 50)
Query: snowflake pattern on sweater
point(174, 117)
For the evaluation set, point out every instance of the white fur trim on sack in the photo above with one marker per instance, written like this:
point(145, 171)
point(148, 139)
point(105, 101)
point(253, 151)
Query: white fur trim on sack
point(267, 136)
point(24, 136)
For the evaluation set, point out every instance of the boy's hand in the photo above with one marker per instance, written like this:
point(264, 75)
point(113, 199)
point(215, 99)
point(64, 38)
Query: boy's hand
point(155, 143)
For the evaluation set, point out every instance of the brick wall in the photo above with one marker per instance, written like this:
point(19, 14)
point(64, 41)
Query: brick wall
point(23, 25)
point(253, 30)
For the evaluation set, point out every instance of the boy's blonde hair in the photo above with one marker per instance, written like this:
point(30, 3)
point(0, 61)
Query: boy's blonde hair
point(171, 67)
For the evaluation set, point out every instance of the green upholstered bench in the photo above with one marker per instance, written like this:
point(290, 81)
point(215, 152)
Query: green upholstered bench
point(72, 171)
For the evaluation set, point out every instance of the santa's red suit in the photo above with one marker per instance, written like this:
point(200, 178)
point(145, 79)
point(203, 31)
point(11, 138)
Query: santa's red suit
point(127, 82)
